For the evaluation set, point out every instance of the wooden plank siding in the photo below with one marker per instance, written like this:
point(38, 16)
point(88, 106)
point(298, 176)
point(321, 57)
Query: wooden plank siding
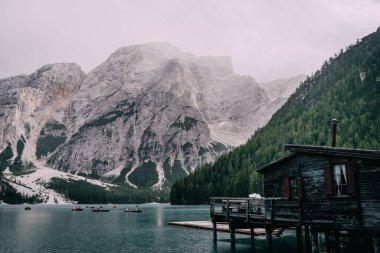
point(369, 192)
point(317, 206)
point(274, 179)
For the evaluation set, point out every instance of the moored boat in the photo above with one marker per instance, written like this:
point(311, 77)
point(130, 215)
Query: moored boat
point(77, 209)
point(100, 210)
point(133, 210)
point(28, 208)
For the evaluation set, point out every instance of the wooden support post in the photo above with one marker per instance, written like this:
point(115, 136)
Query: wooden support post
point(376, 242)
point(232, 233)
point(337, 241)
point(315, 242)
point(252, 238)
point(214, 231)
point(327, 242)
point(299, 239)
point(307, 239)
point(268, 234)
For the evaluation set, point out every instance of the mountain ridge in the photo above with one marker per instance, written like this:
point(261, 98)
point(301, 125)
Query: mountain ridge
point(145, 117)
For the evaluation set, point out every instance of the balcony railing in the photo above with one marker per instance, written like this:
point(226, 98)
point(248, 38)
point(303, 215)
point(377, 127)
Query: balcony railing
point(250, 209)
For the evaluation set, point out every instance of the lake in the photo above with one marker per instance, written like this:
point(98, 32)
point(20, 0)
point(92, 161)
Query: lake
point(55, 228)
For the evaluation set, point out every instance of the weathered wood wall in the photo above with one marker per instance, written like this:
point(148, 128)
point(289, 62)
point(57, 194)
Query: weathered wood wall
point(274, 177)
point(369, 192)
point(317, 206)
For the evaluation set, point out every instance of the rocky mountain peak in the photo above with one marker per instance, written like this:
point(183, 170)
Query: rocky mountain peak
point(145, 117)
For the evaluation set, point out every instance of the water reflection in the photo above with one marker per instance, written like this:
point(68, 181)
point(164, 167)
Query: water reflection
point(57, 229)
point(159, 216)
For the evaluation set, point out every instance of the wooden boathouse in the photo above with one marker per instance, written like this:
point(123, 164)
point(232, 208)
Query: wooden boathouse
point(329, 195)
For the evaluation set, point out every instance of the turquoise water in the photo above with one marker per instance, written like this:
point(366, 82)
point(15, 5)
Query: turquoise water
point(55, 228)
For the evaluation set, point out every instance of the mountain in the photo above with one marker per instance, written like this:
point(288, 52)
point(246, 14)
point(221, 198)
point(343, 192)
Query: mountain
point(281, 89)
point(347, 87)
point(148, 115)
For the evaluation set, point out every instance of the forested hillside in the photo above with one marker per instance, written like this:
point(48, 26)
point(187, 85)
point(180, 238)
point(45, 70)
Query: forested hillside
point(347, 87)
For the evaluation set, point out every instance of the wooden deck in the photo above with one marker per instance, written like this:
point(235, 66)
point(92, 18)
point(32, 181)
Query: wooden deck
point(255, 217)
point(221, 227)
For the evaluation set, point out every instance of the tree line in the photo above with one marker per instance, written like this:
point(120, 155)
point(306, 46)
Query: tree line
point(347, 87)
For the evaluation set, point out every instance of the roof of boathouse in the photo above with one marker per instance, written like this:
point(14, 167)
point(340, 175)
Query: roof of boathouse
point(323, 150)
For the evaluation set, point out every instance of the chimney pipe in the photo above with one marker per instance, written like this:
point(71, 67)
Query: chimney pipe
point(334, 124)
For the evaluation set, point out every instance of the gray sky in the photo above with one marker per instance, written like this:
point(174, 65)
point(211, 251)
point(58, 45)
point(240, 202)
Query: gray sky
point(266, 39)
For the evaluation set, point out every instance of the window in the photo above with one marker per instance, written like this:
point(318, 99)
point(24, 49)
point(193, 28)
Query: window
point(293, 187)
point(340, 180)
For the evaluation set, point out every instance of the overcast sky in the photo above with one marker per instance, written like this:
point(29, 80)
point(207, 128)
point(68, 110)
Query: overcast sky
point(266, 39)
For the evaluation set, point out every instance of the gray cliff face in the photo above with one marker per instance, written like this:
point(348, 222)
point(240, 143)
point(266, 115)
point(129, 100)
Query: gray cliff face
point(146, 116)
point(282, 88)
point(28, 102)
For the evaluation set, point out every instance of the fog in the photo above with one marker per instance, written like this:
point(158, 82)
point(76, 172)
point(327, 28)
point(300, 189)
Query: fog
point(266, 39)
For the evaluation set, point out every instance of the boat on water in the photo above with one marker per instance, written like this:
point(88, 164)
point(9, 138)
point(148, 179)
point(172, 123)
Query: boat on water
point(100, 210)
point(133, 210)
point(28, 208)
point(77, 209)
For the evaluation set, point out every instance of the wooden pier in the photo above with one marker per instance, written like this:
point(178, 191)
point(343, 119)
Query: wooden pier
point(222, 227)
point(246, 214)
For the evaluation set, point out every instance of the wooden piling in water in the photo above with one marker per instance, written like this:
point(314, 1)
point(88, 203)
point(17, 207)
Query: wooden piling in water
point(252, 238)
point(307, 239)
point(376, 242)
point(299, 239)
point(337, 241)
point(314, 241)
point(214, 231)
point(268, 234)
point(327, 240)
point(232, 233)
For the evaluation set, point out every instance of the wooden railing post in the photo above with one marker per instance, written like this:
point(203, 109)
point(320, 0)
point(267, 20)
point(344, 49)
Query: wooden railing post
point(212, 207)
point(248, 206)
point(228, 210)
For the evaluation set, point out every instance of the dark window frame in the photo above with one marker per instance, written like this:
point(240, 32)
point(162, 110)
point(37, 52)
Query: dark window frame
point(330, 180)
point(293, 187)
point(339, 173)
